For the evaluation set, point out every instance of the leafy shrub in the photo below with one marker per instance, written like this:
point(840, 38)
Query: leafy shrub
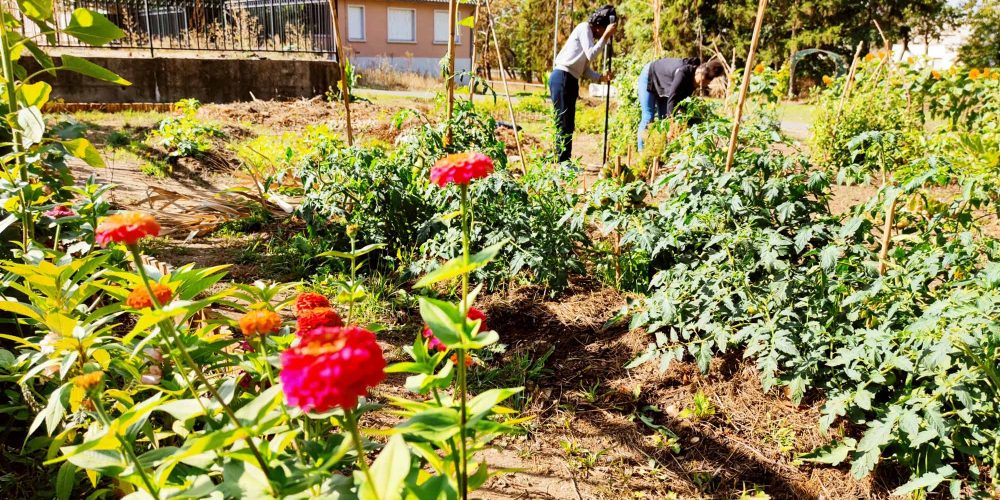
point(389, 198)
point(185, 135)
point(899, 344)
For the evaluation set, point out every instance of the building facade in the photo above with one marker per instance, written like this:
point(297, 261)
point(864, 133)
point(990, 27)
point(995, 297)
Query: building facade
point(408, 35)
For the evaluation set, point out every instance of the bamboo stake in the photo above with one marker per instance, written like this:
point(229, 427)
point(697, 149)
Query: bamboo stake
point(850, 78)
point(747, 72)
point(472, 63)
point(656, 28)
point(887, 236)
point(341, 57)
point(452, 14)
point(555, 33)
point(506, 88)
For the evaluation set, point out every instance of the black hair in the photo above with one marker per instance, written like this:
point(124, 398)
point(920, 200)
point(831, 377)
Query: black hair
point(601, 17)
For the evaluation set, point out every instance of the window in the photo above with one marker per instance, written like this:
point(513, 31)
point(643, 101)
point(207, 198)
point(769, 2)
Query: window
point(356, 23)
point(402, 25)
point(441, 28)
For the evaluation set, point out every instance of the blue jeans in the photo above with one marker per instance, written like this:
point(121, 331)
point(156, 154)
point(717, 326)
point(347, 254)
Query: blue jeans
point(565, 90)
point(647, 102)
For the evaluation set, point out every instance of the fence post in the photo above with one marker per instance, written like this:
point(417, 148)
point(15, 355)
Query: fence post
point(149, 31)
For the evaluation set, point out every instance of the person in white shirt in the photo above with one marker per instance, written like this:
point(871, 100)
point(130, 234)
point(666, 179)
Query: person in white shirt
point(573, 63)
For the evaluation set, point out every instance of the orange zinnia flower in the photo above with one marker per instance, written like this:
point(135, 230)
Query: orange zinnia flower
point(315, 318)
point(310, 300)
point(974, 73)
point(88, 381)
point(827, 80)
point(127, 228)
point(758, 69)
point(935, 74)
point(139, 297)
point(261, 322)
point(869, 57)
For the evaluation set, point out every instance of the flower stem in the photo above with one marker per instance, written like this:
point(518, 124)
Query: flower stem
point(353, 287)
point(351, 421)
point(134, 249)
point(127, 448)
point(463, 465)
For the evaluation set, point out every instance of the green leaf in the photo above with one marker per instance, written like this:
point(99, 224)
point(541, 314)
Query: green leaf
point(92, 28)
point(443, 318)
point(32, 126)
point(82, 148)
point(35, 94)
point(261, 406)
point(457, 266)
point(468, 22)
point(388, 471)
point(65, 480)
point(36, 9)
point(21, 309)
point(832, 454)
point(927, 482)
point(85, 67)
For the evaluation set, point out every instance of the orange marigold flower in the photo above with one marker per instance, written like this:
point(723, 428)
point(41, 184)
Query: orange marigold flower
point(88, 381)
point(461, 168)
point(987, 72)
point(310, 300)
point(935, 74)
point(314, 318)
point(127, 228)
point(261, 322)
point(827, 80)
point(869, 57)
point(468, 359)
point(758, 69)
point(139, 297)
point(974, 73)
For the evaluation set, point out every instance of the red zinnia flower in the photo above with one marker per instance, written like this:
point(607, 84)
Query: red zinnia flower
point(434, 343)
point(310, 300)
point(317, 317)
point(331, 368)
point(261, 322)
point(139, 298)
point(127, 228)
point(60, 211)
point(461, 168)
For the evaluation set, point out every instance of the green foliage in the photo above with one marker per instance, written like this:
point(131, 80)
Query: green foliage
point(754, 261)
point(982, 46)
point(389, 197)
point(185, 135)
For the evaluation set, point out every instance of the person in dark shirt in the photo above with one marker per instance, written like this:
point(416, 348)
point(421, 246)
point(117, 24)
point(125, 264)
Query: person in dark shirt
point(664, 83)
point(671, 80)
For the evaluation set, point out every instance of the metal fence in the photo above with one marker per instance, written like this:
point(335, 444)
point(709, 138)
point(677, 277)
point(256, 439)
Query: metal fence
point(301, 26)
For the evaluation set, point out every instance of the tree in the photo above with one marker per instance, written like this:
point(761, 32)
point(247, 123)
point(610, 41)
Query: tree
point(982, 48)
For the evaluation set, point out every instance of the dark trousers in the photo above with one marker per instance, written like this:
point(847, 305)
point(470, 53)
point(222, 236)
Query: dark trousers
point(565, 90)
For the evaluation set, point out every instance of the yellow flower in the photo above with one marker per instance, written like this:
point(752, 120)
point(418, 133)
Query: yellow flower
point(827, 80)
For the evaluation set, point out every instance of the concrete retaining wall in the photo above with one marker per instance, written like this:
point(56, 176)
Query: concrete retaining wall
point(208, 80)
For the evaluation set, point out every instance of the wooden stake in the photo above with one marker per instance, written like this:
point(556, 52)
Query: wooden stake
point(341, 58)
point(747, 73)
point(657, 46)
point(506, 88)
point(452, 14)
point(472, 63)
point(850, 79)
point(890, 217)
point(555, 33)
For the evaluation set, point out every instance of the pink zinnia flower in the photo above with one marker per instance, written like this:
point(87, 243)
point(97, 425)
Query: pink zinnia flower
point(331, 368)
point(60, 211)
point(434, 343)
point(461, 168)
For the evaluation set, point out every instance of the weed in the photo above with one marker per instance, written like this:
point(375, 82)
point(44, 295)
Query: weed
point(701, 409)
